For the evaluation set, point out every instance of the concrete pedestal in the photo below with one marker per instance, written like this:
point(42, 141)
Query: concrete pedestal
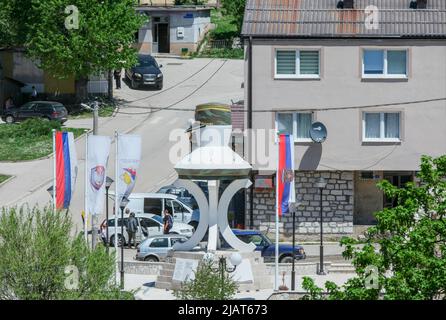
point(260, 278)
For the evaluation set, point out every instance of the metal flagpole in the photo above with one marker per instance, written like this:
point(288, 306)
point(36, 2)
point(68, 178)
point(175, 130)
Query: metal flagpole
point(276, 274)
point(116, 204)
point(86, 191)
point(54, 172)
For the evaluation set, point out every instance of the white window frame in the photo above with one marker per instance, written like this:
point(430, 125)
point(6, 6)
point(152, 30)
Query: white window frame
point(297, 75)
point(385, 75)
point(382, 127)
point(296, 139)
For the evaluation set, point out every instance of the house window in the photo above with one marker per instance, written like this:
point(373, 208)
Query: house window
point(381, 127)
point(297, 64)
point(384, 63)
point(297, 124)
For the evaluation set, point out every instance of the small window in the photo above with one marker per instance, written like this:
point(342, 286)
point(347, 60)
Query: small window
point(160, 243)
point(381, 126)
point(298, 124)
point(384, 63)
point(297, 64)
point(153, 206)
point(173, 241)
point(111, 222)
point(149, 223)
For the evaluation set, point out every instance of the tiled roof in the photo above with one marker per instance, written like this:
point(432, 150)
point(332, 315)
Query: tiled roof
point(321, 18)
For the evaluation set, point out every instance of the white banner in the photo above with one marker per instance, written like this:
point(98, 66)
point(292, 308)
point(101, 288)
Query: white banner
point(129, 159)
point(98, 151)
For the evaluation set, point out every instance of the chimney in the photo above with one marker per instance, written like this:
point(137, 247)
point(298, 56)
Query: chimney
point(346, 4)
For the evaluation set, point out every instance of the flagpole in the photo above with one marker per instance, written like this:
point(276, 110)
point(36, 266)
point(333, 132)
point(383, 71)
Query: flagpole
point(116, 205)
point(276, 274)
point(86, 191)
point(54, 172)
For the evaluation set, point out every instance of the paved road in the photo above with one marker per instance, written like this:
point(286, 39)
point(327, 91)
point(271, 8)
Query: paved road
point(207, 80)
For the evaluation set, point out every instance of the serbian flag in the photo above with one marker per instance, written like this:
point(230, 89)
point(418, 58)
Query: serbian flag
point(66, 168)
point(286, 193)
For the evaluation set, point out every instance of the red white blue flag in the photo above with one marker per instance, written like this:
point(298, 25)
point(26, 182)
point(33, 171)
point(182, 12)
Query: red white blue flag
point(286, 193)
point(66, 168)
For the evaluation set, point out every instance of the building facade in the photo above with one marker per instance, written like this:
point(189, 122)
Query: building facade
point(379, 90)
point(173, 29)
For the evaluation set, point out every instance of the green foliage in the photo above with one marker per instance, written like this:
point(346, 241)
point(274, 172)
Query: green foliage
point(236, 10)
point(407, 246)
point(3, 178)
point(28, 140)
point(222, 53)
point(38, 252)
point(224, 26)
point(207, 285)
point(189, 2)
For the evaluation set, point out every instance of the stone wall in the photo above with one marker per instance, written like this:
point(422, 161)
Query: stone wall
point(337, 203)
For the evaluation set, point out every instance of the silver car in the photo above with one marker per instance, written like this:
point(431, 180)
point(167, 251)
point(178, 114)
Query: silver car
point(155, 249)
point(149, 225)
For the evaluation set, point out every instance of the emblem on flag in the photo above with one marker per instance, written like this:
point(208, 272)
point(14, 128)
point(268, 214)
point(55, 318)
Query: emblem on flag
point(97, 177)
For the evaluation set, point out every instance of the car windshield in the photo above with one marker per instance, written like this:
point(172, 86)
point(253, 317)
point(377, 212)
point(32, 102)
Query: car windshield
point(146, 62)
point(266, 239)
point(157, 218)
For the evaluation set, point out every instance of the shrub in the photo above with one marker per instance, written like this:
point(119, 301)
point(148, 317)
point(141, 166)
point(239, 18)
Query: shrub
point(207, 285)
point(40, 260)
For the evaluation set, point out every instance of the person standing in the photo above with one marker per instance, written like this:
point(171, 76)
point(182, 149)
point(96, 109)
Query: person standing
point(132, 227)
point(9, 104)
point(34, 93)
point(117, 75)
point(168, 221)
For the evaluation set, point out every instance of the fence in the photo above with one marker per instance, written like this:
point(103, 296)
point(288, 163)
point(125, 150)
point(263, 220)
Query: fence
point(225, 44)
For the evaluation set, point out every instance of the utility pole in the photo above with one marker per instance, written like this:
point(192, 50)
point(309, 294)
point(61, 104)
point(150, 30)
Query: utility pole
point(94, 233)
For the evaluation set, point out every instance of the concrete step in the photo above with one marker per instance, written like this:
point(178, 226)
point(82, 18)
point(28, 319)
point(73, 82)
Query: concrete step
point(341, 268)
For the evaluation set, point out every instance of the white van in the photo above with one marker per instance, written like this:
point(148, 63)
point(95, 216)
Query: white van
point(156, 203)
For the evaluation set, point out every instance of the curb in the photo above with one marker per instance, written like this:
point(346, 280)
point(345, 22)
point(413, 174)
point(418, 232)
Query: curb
point(7, 180)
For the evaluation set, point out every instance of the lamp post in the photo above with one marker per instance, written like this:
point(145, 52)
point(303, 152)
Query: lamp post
point(321, 184)
point(108, 182)
point(124, 203)
point(293, 209)
point(235, 259)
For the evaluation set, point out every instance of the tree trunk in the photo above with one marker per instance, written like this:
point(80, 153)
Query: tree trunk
point(81, 89)
point(110, 85)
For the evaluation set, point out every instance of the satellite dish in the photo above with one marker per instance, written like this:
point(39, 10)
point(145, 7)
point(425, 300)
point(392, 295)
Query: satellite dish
point(318, 132)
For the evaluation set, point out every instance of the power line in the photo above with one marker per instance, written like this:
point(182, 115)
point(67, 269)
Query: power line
point(303, 109)
point(169, 107)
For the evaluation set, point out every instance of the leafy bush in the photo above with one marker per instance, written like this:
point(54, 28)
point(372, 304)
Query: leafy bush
point(207, 285)
point(410, 262)
point(35, 127)
point(40, 260)
point(222, 53)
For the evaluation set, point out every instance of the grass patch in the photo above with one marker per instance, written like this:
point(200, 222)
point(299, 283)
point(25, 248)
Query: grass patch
point(3, 178)
point(29, 140)
point(222, 54)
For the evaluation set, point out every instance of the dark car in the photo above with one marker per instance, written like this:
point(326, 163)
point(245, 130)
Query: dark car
point(146, 73)
point(36, 109)
point(268, 248)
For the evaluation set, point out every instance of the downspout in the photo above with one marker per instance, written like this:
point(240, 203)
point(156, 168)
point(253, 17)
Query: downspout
point(251, 190)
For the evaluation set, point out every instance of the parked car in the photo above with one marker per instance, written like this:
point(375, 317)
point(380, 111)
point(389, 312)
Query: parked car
point(156, 203)
point(268, 248)
point(36, 109)
point(149, 225)
point(182, 194)
point(155, 249)
point(146, 73)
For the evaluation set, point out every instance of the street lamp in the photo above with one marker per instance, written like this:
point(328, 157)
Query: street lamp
point(124, 202)
point(235, 259)
point(293, 208)
point(108, 182)
point(321, 183)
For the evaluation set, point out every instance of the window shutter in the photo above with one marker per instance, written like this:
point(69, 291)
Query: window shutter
point(309, 62)
point(286, 62)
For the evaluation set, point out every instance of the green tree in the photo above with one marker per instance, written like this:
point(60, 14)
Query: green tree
point(102, 41)
point(40, 260)
point(236, 9)
point(407, 246)
point(207, 285)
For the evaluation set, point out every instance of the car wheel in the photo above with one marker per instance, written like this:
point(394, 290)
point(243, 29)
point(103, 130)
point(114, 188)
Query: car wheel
point(9, 119)
point(133, 84)
point(120, 241)
point(151, 259)
point(286, 259)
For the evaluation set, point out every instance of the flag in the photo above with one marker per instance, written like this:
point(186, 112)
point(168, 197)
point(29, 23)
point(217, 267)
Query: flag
point(98, 151)
point(66, 168)
point(285, 174)
point(128, 159)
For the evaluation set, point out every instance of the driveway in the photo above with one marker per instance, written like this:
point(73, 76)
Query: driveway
point(145, 112)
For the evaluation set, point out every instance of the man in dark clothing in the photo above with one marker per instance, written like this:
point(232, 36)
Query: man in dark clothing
point(132, 227)
point(168, 221)
point(117, 75)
